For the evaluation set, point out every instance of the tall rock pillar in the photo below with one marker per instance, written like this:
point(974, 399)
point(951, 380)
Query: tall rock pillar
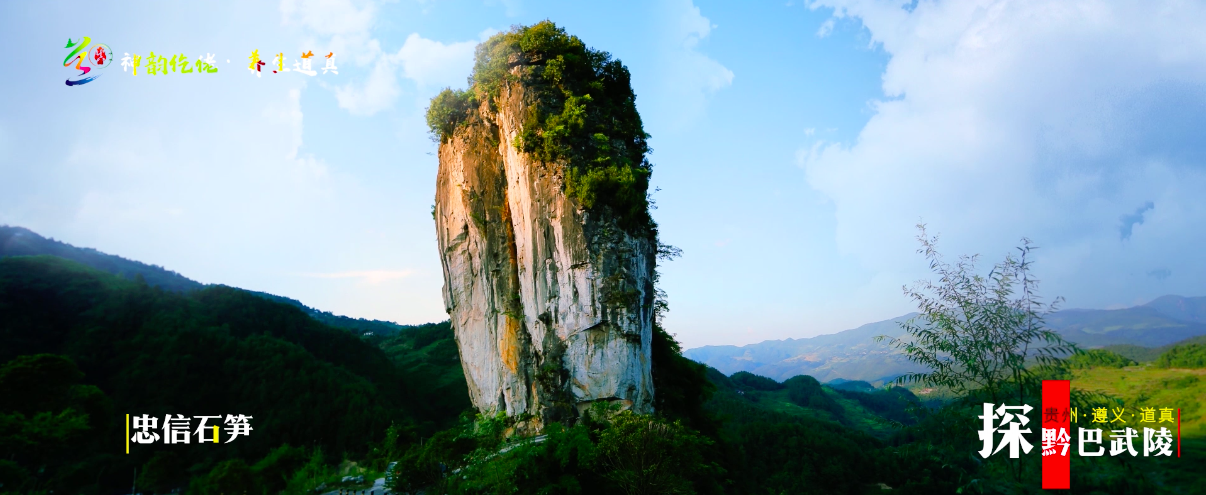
point(552, 306)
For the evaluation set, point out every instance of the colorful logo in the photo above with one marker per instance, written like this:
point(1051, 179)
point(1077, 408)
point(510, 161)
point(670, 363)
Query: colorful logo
point(90, 59)
point(87, 58)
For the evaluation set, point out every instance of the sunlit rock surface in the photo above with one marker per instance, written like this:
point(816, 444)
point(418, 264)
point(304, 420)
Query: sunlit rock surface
point(552, 308)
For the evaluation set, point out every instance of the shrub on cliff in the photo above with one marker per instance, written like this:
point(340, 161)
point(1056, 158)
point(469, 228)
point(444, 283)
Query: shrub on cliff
point(582, 115)
point(448, 109)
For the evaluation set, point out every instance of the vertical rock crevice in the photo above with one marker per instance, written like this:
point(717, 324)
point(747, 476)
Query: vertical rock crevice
point(547, 247)
point(551, 304)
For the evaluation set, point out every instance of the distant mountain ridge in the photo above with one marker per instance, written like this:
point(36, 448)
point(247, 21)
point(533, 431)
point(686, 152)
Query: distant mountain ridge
point(1182, 308)
point(854, 354)
point(20, 241)
point(1165, 320)
point(850, 354)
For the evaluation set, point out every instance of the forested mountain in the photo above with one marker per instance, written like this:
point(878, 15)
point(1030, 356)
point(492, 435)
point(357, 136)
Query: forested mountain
point(125, 347)
point(1148, 354)
point(88, 347)
point(19, 241)
point(854, 354)
point(80, 348)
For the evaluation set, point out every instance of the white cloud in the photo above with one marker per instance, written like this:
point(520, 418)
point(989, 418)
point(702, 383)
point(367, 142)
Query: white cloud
point(196, 187)
point(432, 64)
point(341, 26)
point(487, 33)
point(289, 116)
point(826, 28)
point(691, 76)
point(345, 28)
point(708, 74)
point(373, 95)
point(329, 17)
point(1027, 117)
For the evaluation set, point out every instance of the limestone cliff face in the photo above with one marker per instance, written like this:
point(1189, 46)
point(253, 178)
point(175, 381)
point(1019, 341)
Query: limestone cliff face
point(552, 307)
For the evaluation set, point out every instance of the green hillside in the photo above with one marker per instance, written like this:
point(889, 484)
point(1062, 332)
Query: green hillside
point(215, 351)
point(1149, 386)
point(81, 348)
point(18, 241)
point(1148, 354)
point(1136, 387)
point(429, 356)
point(877, 412)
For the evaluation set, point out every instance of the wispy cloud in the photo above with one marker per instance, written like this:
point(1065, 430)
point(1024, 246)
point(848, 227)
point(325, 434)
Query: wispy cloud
point(691, 76)
point(346, 27)
point(826, 28)
point(342, 26)
point(375, 94)
point(1130, 221)
point(330, 17)
point(1003, 119)
point(371, 277)
point(430, 63)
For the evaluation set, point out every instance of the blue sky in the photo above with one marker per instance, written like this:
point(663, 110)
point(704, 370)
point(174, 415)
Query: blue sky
point(795, 146)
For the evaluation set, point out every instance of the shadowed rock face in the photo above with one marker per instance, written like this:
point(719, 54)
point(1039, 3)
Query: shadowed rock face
point(552, 306)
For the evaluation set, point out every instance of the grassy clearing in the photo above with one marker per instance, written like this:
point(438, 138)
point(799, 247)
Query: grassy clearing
point(1148, 386)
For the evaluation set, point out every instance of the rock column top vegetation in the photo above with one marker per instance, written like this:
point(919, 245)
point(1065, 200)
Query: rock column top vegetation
point(546, 242)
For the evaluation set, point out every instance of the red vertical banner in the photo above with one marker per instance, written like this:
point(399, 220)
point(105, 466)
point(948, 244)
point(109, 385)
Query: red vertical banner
point(1056, 431)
